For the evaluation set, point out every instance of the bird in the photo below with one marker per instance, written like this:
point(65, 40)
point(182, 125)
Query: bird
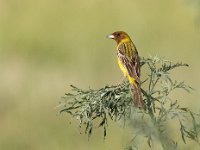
point(129, 63)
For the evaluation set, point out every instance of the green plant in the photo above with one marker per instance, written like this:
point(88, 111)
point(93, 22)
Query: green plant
point(115, 102)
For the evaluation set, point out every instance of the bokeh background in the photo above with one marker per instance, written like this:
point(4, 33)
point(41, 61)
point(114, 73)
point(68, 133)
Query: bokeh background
point(46, 45)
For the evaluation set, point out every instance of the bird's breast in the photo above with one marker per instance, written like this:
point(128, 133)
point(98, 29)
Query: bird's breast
point(121, 66)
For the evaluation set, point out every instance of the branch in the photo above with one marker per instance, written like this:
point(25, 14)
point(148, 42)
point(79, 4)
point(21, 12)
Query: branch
point(116, 103)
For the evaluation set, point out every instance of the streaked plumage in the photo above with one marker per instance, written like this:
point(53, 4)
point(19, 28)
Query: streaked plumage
point(129, 63)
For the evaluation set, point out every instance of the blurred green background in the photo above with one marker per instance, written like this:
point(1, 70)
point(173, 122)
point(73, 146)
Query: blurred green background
point(46, 45)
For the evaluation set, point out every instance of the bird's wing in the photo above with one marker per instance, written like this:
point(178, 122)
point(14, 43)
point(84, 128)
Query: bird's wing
point(136, 60)
point(131, 65)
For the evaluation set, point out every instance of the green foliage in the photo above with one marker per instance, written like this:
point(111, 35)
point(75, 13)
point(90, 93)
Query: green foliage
point(115, 102)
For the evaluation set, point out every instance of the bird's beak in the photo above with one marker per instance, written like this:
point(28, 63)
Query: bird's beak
point(110, 36)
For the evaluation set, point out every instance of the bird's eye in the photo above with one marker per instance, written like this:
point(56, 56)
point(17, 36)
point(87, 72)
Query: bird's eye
point(118, 34)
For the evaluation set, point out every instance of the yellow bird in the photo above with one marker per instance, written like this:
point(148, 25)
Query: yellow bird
point(129, 63)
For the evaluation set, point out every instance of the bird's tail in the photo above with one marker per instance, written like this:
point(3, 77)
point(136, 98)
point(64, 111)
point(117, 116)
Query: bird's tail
point(137, 95)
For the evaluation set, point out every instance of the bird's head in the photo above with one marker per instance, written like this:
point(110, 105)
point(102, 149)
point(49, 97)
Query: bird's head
point(119, 36)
